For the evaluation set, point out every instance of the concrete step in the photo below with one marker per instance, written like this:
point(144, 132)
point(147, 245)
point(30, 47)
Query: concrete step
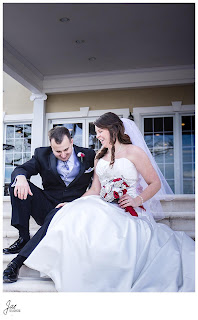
point(9, 237)
point(30, 285)
point(24, 270)
point(180, 203)
point(7, 223)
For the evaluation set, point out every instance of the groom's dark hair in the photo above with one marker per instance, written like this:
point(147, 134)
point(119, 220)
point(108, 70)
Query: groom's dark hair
point(57, 133)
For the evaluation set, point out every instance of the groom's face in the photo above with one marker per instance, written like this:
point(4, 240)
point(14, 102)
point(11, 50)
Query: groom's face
point(63, 150)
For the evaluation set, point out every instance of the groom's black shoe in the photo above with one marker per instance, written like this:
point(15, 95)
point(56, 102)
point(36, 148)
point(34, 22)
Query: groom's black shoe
point(11, 273)
point(16, 246)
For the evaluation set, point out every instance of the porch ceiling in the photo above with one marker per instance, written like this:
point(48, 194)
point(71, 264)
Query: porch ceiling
point(129, 41)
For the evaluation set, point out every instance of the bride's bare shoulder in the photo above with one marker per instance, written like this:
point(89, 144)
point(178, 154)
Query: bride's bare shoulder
point(135, 153)
point(134, 149)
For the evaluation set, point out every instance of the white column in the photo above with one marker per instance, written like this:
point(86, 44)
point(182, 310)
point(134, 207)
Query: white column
point(38, 127)
point(178, 168)
point(38, 120)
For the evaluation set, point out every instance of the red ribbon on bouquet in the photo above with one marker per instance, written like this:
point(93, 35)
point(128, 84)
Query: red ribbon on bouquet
point(129, 209)
point(113, 194)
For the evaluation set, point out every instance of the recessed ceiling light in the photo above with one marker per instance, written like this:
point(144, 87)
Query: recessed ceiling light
point(92, 58)
point(64, 19)
point(80, 41)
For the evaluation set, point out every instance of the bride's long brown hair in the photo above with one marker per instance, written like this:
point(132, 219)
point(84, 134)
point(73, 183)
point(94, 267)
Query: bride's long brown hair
point(115, 126)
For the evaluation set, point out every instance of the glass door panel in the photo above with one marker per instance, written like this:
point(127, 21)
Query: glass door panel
point(76, 129)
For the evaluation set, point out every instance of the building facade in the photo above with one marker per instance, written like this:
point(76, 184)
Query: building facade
point(164, 114)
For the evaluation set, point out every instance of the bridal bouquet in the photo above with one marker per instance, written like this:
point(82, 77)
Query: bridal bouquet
point(113, 190)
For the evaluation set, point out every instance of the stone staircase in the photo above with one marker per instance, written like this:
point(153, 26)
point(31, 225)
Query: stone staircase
point(179, 215)
point(29, 279)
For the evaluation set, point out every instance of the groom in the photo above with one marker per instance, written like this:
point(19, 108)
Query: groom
point(66, 171)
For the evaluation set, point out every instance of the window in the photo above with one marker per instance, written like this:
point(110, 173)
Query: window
point(188, 153)
point(169, 132)
point(17, 149)
point(80, 124)
point(158, 134)
point(77, 129)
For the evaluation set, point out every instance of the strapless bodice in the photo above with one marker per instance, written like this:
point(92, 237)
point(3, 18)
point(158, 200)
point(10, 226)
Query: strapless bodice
point(122, 168)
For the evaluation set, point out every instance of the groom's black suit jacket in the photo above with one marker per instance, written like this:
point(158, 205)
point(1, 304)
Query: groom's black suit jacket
point(45, 163)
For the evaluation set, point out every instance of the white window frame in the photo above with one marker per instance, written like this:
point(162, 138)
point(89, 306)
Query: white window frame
point(176, 110)
point(13, 119)
point(84, 115)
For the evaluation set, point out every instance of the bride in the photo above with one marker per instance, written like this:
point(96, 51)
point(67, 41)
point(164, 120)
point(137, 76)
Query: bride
point(96, 244)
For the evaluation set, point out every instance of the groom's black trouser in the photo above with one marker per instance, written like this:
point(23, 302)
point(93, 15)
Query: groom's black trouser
point(38, 206)
point(34, 241)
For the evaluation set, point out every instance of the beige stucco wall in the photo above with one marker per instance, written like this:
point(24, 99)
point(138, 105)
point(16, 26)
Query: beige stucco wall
point(16, 98)
point(126, 98)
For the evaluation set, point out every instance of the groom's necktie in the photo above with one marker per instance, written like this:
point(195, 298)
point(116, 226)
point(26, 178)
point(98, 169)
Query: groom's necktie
point(63, 169)
point(66, 165)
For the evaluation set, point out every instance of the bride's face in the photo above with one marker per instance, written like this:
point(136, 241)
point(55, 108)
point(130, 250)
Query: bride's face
point(103, 136)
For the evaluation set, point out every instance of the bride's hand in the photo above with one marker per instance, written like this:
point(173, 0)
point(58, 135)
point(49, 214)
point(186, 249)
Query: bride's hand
point(61, 205)
point(127, 201)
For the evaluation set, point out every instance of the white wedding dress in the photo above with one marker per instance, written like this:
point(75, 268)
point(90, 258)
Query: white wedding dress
point(93, 245)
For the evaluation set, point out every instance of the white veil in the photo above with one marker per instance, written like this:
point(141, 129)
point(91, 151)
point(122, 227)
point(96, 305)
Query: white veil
point(153, 205)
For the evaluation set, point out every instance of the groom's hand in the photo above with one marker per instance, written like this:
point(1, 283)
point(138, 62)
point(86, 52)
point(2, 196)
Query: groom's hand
point(61, 205)
point(22, 188)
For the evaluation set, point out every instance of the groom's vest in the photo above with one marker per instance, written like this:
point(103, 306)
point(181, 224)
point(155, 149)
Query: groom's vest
point(75, 171)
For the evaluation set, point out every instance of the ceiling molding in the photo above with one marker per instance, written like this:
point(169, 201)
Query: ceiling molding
point(20, 69)
point(25, 73)
point(136, 78)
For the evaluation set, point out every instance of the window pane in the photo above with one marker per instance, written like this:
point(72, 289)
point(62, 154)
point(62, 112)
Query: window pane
point(188, 186)
point(171, 184)
point(10, 141)
point(168, 124)
point(168, 140)
point(94, 143)
point(188, 171)
point(193, 152)
point(169, 156)
point(193, 139)
point(75, 130)
point(148, 125)
point(19, 145)
point(17, 159)
point(149, 140)
point(159, 155)
point(9, 159)
point(27, 131)
point(169, 171)
point(26, 157)
point(158, 140)
point(6, 189)
point(193, 123)
point(14, 157)
point(160, 143)
point(19, 131)
point(158, 124)
point(8, 171)
point(10, 131)
point(27, 145)
point(187, 155)
point(161, 166)
point(186, 139)
point(186, 123)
